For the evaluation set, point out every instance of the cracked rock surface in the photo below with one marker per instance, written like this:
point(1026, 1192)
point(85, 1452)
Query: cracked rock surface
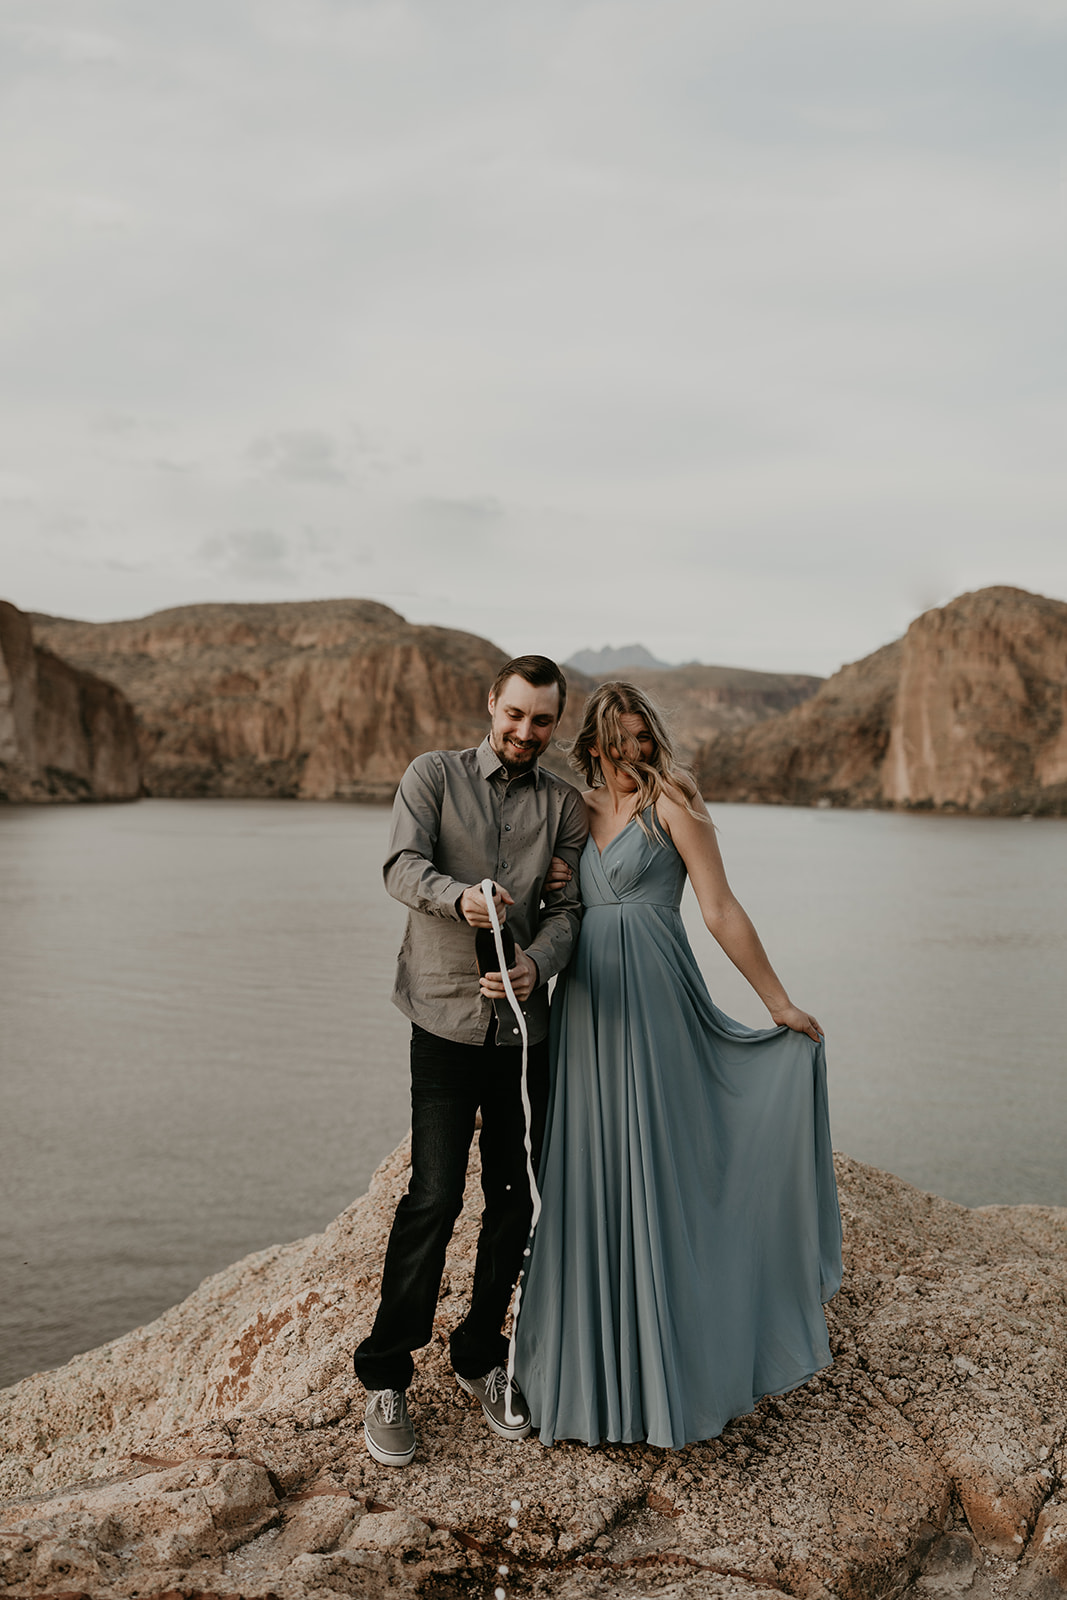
point(219, 1451)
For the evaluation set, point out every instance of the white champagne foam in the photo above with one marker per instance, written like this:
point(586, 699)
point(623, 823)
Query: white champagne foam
point(488, 888)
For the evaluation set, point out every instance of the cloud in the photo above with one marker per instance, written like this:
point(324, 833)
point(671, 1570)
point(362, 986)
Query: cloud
point(114, 565)
point(305, 455)
point(17, 489)
point(474, 512)
point(259, 555)
point(115, 424)
point(721, 327)
point(70, 45)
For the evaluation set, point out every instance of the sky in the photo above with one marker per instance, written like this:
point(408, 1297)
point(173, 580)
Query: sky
point(730, 326)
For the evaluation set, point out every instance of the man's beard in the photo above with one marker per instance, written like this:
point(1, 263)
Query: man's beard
point(515, 762)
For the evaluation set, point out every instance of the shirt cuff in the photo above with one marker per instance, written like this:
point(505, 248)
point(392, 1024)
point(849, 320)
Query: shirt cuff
point(455, 904)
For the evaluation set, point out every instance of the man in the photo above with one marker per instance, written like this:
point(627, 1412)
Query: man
point(461, 816)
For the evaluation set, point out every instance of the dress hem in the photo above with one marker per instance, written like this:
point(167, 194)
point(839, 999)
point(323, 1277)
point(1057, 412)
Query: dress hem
point(704, 1438)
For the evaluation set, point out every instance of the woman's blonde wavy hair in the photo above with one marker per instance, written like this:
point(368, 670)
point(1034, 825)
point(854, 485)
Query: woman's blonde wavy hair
point(601, 726)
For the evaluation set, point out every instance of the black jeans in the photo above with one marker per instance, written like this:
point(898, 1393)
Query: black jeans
point(449, 1082)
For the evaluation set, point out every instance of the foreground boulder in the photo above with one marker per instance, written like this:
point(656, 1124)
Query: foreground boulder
point(218, 1451)
point(65, 734)
point(968, 712)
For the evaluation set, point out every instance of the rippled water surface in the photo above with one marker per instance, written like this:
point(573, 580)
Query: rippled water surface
point(198, 1056)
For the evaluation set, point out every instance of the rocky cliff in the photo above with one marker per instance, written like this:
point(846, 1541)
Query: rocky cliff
point(65, 734)
point(980, 720)
point(832, 745)
point(703, 701)
point(218, 1451)
point(967, 712)
point(333, 698)
point(316, 699)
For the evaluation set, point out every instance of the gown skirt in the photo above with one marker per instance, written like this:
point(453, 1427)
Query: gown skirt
point(690, 1230)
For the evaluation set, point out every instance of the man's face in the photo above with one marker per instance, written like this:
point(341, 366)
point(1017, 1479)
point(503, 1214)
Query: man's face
point(523, 719)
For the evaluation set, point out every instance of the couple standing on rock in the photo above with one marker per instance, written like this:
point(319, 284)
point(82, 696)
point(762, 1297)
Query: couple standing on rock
point(690, 1232)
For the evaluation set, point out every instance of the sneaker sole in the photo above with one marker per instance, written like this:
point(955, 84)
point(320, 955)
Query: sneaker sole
point(387, 1458)
point(500, 1428)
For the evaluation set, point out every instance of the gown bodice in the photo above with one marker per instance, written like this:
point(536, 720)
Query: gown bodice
point(633, 868)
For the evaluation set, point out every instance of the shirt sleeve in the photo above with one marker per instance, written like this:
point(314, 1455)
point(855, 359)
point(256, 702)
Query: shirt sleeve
point(553, 942)
point(409, 872)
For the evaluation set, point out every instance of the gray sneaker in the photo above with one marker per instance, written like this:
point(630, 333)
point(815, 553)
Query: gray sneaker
point(504, 1405)
point(387, 1428)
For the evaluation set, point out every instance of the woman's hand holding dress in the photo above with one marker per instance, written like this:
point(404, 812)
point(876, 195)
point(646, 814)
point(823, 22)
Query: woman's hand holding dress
point(792, 1017)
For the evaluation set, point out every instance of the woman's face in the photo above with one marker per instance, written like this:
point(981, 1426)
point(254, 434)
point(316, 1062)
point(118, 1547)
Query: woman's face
point(637, 734)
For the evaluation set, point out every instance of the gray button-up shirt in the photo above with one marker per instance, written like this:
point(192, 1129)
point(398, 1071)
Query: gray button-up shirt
point(459, 818)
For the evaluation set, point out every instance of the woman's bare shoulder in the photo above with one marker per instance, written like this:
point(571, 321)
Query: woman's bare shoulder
point(593, 800)
point(683, 800)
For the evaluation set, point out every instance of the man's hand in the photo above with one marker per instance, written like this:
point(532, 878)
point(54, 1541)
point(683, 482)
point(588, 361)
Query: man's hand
point(473, 907)
point(523, 977)
point(558, 875)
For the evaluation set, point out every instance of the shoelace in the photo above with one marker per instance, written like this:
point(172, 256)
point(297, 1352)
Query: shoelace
point(387, 1402)
point(496, 1383)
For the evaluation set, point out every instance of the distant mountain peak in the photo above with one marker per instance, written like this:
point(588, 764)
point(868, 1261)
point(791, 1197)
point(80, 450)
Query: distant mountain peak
point(594, 663)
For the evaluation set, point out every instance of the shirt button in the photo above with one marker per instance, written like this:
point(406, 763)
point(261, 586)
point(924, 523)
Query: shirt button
point(503, 866)
point(514, 1030)
point(507, 827)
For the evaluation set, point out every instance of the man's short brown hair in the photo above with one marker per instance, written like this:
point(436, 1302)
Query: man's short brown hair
point(537, 670)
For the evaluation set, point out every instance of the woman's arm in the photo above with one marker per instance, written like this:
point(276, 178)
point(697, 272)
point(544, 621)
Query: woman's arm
point(724, 916)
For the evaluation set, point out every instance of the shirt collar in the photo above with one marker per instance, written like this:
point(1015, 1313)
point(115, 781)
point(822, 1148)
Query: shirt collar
point(489, 764)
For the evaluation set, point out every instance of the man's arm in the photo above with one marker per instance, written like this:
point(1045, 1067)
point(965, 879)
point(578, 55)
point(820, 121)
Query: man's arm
point(557, 930)
point(409, 872)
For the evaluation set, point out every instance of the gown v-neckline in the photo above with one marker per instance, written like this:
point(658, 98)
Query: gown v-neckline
point(613, 838)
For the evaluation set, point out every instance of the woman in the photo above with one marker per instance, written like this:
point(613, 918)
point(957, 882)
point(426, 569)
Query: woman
point(690, 1230)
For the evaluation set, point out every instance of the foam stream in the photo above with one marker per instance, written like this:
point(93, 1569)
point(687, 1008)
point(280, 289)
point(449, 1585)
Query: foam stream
point(487, 889)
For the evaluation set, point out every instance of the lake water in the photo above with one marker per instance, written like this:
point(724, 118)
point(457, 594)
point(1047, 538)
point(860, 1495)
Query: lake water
point(198, 1056)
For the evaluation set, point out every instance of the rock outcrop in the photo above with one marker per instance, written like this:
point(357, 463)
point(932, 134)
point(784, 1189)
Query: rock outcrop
point(65, 734)
point(831, 747)
point(609, 662)
point(704, 701)
point(333, 698)
point(968, 712)
point(218, 1451)
point(317, 699)
point(980, 721)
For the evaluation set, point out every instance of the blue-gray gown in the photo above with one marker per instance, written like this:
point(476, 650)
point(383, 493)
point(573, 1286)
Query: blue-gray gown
point(690, 1231)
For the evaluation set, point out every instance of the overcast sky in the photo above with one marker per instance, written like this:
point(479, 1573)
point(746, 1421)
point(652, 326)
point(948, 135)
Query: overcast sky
point(730, 326)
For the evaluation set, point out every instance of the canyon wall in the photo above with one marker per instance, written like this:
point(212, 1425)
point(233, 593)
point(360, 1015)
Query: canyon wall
point(316, 700)
point(968, 712)
point(702, 701)
point(219, 1450)
point(832, 746)
point(65, 734)
point(980, 720)
point(332, 699)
